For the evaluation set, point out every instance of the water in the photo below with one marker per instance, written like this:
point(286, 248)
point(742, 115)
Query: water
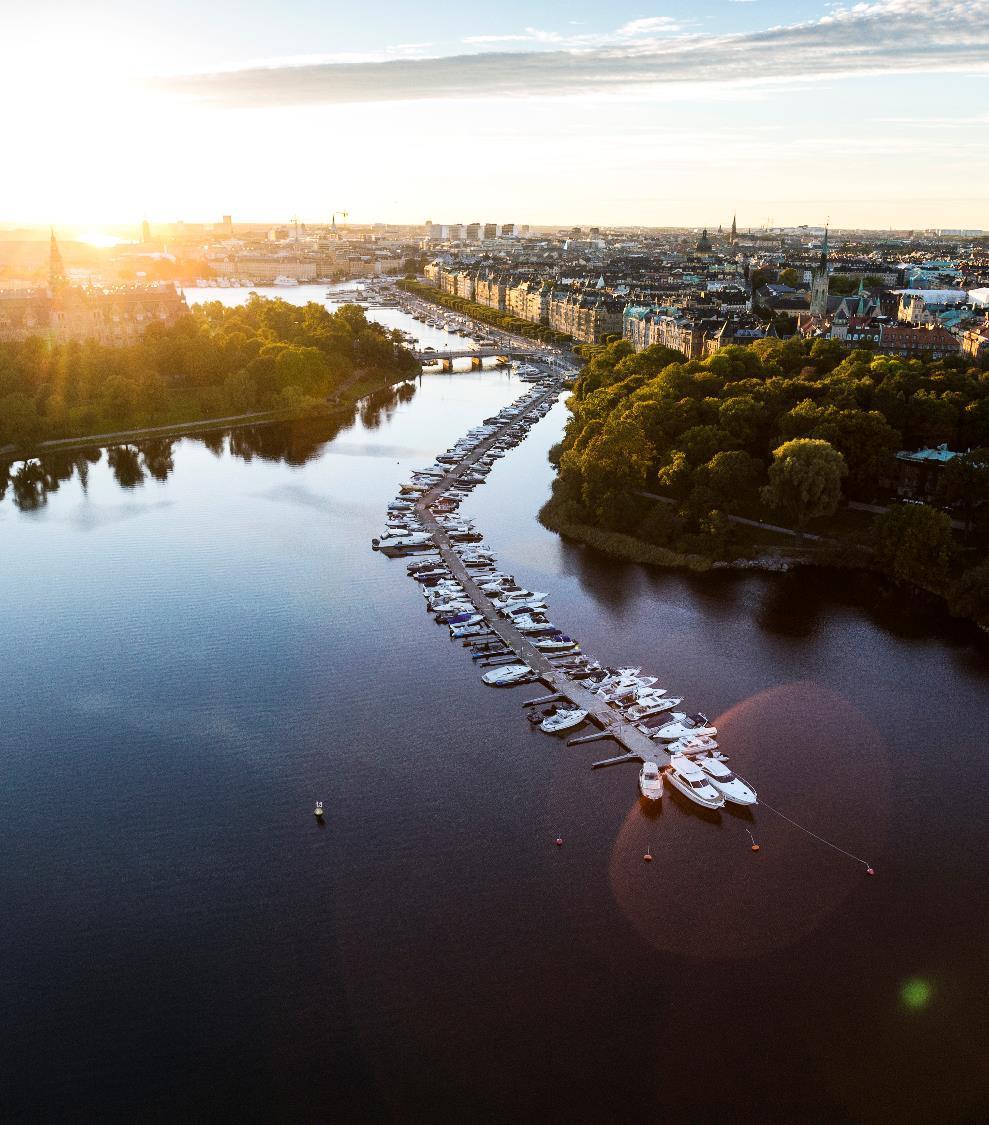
point(190, 662)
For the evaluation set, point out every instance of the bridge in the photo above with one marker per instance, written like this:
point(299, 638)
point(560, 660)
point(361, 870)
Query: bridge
point(504, 354)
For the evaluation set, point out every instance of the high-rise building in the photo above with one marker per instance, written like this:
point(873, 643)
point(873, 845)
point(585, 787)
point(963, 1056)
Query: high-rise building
point(490, 231)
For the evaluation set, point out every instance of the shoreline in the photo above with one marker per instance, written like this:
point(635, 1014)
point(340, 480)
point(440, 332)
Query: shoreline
point(9, 455)
point(622, 547)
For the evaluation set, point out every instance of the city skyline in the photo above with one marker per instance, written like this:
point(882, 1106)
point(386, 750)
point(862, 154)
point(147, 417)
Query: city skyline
point(655, 115)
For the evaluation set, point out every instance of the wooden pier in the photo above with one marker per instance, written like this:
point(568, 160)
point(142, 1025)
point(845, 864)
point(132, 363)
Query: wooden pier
point(611, 723)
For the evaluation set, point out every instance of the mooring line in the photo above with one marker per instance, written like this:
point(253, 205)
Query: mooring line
point(858, 859)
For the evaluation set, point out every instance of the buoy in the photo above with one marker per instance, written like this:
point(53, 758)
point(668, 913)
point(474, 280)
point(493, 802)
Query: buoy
point(754, 848)
point(647, 858)
point(870, 871)
point(559, 842)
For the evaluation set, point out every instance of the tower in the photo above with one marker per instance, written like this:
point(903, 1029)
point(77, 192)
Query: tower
point(734, 231)
point(819, 282)
point(56, 270)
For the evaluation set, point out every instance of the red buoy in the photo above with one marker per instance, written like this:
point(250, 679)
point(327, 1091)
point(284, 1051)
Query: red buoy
point(648, 857)
point(559, 842)
point(870, 871)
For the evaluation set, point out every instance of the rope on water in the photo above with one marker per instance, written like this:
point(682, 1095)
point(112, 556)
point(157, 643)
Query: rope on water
point(858, 859)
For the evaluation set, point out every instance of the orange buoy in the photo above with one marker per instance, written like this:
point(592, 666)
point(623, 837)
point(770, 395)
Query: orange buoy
point(754, 848)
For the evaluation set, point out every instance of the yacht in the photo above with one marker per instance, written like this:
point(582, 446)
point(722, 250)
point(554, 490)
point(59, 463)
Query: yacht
point(507, 675)
point(562, 720)
point(562, 643)
point(736, 790)
point(694, 783)
point(283, 280)
point(650, 781)
point(652, 705)
point(683, 726)
point(698, 744)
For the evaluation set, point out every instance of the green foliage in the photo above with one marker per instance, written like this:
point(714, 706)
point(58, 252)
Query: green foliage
point(264, 355)
point(969, 594)
point(913, 543)
point(805, 479)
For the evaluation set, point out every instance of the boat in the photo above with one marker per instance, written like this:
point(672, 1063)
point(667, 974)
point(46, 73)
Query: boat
point(650, 781)
point(561, 643)
point(656, 705)
point(507, 675)
point(683, 726)
point(698, 744)
point(694, 783)
point(563, 720)
point(283, 280)
point(318, 810)
point(734, 788)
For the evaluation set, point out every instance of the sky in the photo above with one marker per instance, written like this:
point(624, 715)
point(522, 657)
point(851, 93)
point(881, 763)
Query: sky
point(871, 114)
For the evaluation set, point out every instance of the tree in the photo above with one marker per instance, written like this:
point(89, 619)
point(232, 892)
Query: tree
point(805, 480)
point(969, 595)
point(913, 543)
point(729, 480)
point(964, 483)
point(790, 277)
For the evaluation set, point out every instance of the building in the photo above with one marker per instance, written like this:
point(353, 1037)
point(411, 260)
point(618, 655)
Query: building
point(64, 312)
point(819, 282)
point(930, 342)
point(920, 470)
point(975, 342)
point(588, 318)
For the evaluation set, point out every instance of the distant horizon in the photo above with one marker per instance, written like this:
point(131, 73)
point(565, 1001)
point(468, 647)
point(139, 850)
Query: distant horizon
point(868, 115)
point(74, 230)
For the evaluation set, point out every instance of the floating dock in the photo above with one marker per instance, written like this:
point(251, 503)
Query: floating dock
point(611, 723)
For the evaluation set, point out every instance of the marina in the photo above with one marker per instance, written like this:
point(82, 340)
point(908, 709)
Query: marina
point(508, 630)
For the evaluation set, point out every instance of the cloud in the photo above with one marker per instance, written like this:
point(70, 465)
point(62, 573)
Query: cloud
point(887, 36)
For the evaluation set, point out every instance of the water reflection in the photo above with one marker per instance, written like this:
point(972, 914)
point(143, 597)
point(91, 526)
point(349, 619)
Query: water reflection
point(297, 442)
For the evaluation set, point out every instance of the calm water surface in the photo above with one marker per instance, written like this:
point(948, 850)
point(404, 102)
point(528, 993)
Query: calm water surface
point(188, 662)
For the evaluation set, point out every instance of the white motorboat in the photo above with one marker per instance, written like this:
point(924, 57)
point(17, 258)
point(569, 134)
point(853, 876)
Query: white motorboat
point(652, 705)
point(650, 781)
point(555, 644)
point(562, 720)
point(683, 726)
point(694, 783)
point(734, 788)
point(700, 743)
point(507, 675)
point(318, 811)
point(471, 628)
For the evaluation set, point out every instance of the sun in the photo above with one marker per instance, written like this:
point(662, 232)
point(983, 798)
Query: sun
point(99, 239)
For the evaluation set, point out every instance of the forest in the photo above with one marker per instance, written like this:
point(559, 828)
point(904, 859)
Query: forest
point(802, 435)
point(263, 356)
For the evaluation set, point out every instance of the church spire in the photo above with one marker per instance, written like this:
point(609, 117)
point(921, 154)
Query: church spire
point(734, 230)
point(56, 270)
